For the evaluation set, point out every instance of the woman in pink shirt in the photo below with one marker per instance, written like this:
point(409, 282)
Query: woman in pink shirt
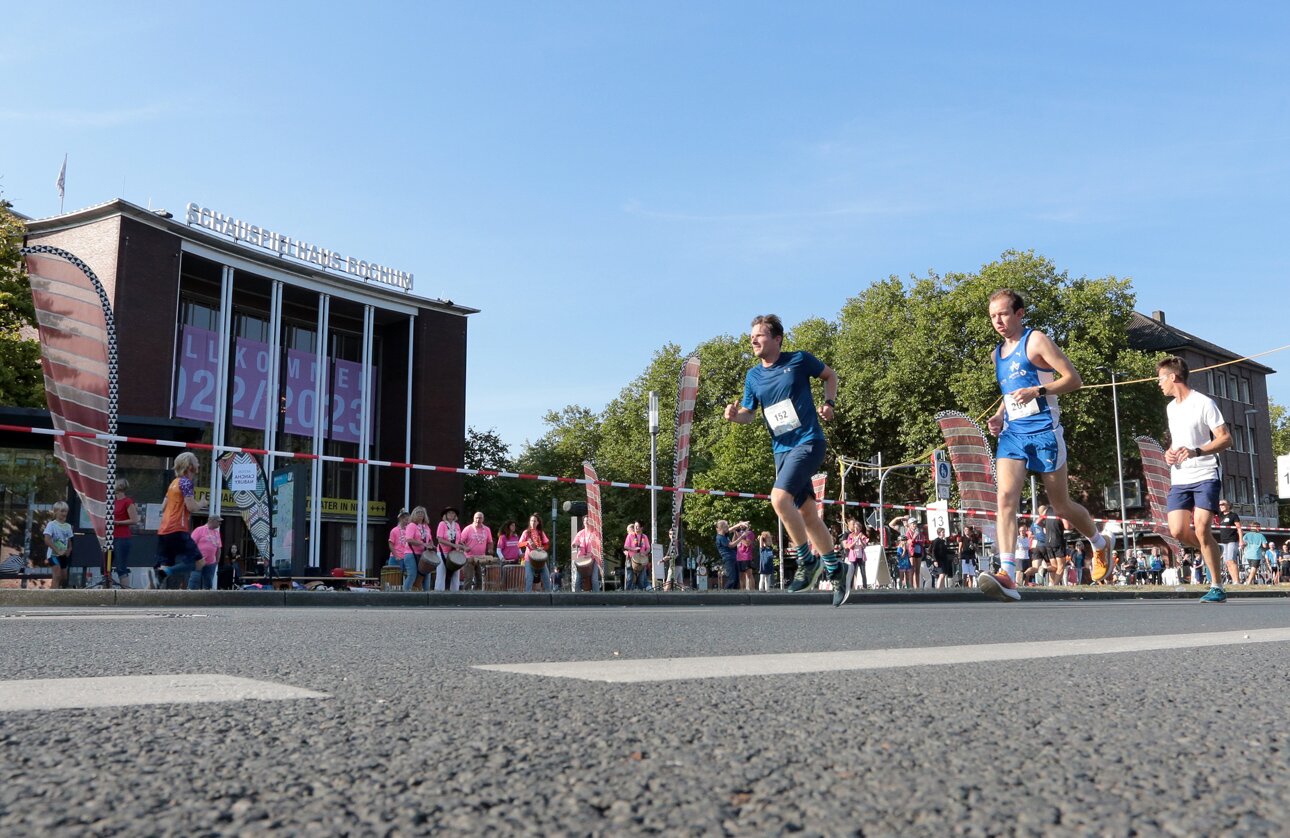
point(585, 549)
point(398, 544)
point(416, 535)
point(855, 543)
point(744, 539)
point(508, 543)
point(210, 545)
point(636, 547)
point(447, 539)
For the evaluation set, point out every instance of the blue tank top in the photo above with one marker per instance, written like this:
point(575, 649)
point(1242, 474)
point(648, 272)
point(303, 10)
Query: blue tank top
point(1016, 371)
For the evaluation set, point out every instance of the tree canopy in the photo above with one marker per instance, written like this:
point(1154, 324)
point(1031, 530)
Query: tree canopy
point(21, 381)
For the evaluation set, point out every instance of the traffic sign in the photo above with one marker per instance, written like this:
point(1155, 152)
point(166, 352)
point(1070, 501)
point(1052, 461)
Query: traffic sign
point(943, 475)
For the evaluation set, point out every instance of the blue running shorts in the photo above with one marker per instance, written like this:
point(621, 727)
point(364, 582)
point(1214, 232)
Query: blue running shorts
point(795, 468)
point(1042, 452)
point(1202, 495)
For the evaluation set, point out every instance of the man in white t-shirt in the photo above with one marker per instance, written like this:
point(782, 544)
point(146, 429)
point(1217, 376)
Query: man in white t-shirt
point(1197, 432)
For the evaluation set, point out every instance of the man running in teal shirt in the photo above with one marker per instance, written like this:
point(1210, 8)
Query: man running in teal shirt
point(781, 387)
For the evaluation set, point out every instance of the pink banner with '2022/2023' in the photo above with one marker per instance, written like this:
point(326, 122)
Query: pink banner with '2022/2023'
point(195, 390)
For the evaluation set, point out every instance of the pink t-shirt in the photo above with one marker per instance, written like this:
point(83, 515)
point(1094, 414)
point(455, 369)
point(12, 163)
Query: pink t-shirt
point(744, 548)
point(636, 543)
point(534, 540)
point(421, 532)
point(476, 539)
point(400, 543)
point(855, 544)
point(448, 531)
point(584, 541)
point(209, 543)
point(510, 547)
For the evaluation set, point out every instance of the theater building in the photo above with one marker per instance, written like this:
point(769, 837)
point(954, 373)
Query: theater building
point(230, 333)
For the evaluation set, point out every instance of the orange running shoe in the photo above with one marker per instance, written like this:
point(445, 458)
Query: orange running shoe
point(999, 586)
point(1101, 561)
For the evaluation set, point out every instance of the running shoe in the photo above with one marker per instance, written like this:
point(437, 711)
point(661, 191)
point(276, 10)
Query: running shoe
point(998, 586)
point(1214, 595)
point(808, 570)
point(841, 580)
point(1101, 561)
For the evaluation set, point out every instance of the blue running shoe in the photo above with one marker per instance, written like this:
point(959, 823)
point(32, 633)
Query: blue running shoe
point(1214, 595)
point(841, 580)
point(808, 570)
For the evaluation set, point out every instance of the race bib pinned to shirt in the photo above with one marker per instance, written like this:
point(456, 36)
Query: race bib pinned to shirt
point(782, 417)
point(1017, 410)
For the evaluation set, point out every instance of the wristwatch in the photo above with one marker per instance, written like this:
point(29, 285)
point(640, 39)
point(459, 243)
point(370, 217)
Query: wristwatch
point(1043, 391)
point(830, 402)
point(1196, 452)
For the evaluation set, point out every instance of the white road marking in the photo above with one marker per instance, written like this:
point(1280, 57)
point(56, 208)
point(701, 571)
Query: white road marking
point(124, 691)
point(681, 669)
point(95, 616)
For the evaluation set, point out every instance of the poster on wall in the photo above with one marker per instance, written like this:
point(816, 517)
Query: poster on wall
point(249, 397)
point(198, 367)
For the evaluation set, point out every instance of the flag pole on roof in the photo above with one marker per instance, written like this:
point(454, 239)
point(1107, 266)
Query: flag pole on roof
point(61, 183)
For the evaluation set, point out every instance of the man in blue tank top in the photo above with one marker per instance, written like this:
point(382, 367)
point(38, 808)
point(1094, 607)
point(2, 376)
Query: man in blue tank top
point(781, 386)
point(1032, 372)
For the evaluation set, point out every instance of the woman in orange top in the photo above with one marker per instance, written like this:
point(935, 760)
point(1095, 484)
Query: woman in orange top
point(177, 553)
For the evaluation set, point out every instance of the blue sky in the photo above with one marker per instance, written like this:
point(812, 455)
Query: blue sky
point(570, 168)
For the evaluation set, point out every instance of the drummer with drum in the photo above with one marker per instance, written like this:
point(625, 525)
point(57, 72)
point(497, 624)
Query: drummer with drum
point(636, 548)
point(477, 543)
point(587, 561)
point(452, 556)
point(536, 545)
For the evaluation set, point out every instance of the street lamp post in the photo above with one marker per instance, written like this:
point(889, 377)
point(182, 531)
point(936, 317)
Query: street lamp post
point(1254, 477)
point(653, 486)
point(1119, 462)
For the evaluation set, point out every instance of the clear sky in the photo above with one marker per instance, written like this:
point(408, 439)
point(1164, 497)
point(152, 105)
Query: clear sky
point(602, 178)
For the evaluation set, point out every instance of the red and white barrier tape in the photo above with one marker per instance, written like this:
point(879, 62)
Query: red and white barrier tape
point(483, 472)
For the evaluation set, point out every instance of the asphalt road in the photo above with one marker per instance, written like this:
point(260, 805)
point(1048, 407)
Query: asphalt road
point(413, 740)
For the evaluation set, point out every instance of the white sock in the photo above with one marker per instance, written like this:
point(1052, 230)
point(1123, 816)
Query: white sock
point(1008, 566)
point(1099, 541)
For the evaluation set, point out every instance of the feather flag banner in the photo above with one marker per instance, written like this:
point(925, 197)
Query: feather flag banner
point(252, 502)
point(593, 516)
point(1156, 472)
point(78, 360)
point(973, 467)
point(818, 484)
point(686, 394)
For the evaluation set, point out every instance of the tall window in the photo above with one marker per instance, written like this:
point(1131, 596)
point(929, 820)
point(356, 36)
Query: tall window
point(199, 313)
point(1245, 390)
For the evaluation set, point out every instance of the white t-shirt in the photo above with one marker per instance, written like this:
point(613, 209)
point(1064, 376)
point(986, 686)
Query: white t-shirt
point(1192, 423)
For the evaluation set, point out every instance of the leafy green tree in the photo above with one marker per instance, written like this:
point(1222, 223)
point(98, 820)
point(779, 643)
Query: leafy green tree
point(499, 498)
point(21, 381)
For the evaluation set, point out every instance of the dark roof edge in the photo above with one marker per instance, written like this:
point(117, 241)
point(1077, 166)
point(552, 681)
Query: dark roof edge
point(1165, 337)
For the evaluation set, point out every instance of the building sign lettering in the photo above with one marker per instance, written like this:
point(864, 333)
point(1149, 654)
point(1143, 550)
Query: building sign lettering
point(252, 234)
